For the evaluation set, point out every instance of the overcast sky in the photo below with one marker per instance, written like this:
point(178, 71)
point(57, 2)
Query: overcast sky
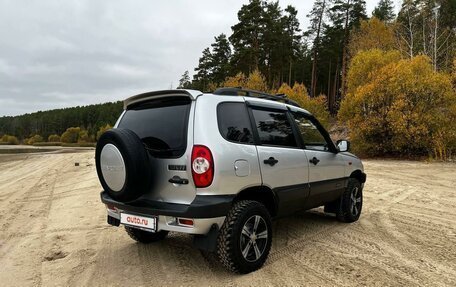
point(56, 54)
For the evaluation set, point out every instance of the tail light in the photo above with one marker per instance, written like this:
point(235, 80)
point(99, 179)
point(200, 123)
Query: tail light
point(202, 166)
point(112, 207)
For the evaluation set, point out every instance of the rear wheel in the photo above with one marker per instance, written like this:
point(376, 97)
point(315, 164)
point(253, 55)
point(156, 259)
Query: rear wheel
point(351, 202)
point(245, 238)
point(145, 236)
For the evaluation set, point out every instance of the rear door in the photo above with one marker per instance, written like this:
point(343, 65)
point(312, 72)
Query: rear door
point(284, 166)
point(163, 124)
point(326, 166)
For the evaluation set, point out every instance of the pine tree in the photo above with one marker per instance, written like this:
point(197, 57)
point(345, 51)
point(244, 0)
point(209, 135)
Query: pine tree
point(292, 38)
point(330, 63)
point(302, 67)
point(346, 14)
point(184, 82)
point(448, 13)
point(372, 34)
point(384, 11)
point(272, 45)
point(200, 79)
point(266, 39)
point(46, 123)
point(247, 37)
point(220, 59)
point(317, 21)
point(447, 19)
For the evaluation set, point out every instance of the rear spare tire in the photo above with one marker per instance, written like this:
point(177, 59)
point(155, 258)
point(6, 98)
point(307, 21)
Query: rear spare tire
point(123, 165)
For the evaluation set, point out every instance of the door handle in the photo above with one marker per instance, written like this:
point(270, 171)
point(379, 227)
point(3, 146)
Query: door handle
point(178, 180)
point(271, 161)
point(314, 160)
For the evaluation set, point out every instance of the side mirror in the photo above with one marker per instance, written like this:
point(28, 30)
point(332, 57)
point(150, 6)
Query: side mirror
point(343, 145)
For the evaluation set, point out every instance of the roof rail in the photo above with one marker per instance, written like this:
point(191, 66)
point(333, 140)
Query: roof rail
point(239, 91)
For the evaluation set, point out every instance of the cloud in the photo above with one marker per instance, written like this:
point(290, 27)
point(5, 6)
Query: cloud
point(76, 52)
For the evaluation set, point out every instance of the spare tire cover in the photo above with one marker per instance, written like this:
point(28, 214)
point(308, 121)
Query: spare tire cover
point(123, 165)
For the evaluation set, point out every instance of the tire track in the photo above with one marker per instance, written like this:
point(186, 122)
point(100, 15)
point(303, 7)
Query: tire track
point(402, 238)
point(386, 263)
point(397, 245)
point(16, 235)
point(301, 243)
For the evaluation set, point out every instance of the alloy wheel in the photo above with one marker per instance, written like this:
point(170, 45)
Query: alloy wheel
point(355, 201)
point(254, 238)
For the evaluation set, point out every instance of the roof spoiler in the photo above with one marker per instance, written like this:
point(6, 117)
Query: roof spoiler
point(193, 94)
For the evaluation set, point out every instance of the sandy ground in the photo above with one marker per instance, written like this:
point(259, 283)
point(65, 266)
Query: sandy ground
point(54, 233)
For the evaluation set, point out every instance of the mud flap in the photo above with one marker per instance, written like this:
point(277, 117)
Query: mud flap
point(207, 242)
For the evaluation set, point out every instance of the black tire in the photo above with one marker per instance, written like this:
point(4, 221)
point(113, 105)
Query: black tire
point(231, 238)
point(145, 236)
point(136, 160)
point(351, 202)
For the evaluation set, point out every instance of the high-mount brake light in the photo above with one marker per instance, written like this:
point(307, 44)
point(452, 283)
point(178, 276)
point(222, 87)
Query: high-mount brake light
point(202, 166)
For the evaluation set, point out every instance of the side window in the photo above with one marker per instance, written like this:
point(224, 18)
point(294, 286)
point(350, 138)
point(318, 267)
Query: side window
point(310, 134)
point(234, 122)
point(274, 128)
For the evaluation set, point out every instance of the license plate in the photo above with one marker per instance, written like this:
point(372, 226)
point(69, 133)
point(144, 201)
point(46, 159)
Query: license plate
point(139, 221)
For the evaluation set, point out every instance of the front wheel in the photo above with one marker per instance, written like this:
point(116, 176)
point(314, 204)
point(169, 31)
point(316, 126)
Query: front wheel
point(245, 238)
point(351, 202)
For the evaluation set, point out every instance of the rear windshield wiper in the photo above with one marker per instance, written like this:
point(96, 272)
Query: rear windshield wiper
point(161, 150)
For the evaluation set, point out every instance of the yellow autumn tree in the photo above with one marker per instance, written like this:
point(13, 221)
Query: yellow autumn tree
point(83, 136)
point(238, 80)
point(34, 139)
point(12, 140)
point(54, 138)
point(405, 108)
point(317, 105)
point(103, 129)
point(371, 34)
point(213, 86)
point(7, 139)
point(453, 74)
point(71, 135)
point(256, 81)
point(366, 64)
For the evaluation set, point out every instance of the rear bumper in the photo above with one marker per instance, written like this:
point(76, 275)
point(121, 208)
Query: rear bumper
point(203, 206)
point(204, 210)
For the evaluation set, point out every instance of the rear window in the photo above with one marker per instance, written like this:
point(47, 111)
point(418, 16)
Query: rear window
point(161, 125)
point(234, 122)
point(274, 128)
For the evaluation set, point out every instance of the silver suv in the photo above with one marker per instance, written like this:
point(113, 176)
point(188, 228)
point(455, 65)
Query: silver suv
point(221, 166)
